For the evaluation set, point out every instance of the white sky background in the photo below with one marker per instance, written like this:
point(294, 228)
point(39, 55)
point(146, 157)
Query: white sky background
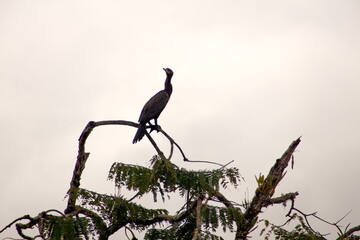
point(250, 77)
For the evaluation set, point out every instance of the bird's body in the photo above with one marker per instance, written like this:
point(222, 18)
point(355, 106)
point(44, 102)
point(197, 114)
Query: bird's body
point(153, 108)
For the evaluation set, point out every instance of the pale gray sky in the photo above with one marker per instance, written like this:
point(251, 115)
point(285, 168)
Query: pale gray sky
point(250, 77)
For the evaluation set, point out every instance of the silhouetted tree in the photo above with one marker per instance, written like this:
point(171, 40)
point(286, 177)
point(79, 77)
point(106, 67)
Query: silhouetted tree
point(205, 210)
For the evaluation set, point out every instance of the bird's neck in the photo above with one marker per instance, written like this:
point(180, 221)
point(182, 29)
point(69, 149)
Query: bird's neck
point(168, 86)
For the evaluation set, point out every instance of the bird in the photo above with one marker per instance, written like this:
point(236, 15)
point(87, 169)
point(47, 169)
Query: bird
point(153, 108)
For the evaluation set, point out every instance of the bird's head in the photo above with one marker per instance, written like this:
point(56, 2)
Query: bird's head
point(168, 71)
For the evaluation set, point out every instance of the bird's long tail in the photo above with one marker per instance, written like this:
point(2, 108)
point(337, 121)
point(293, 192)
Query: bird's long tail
point(140, 133)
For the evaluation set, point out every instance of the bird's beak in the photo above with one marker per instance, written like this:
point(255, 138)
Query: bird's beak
point(168, 71)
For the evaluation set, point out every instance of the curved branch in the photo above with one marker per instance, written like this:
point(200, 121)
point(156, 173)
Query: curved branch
point(349, 232)
point(32, 222)
point(27, 217)
point(83, 156)
point(173, 143)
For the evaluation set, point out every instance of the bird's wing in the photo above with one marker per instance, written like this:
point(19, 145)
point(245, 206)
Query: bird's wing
point(154, 106)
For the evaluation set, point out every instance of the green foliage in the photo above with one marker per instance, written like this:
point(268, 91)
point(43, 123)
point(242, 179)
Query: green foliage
point(117, 210)
point(162, 178)
point(183, 231)
point(68, 228)
point(265, 186)
point(159, 179)
point(165, 177)
point(213, 216)
point(99, 215)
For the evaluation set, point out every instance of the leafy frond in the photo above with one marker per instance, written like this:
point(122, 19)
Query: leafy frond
point(165, 177)
point(161, 178)
point(64, 228)
point(202, 182)
point(214, 216)
point(117, 210)
point(133, 177)
point(160, 234)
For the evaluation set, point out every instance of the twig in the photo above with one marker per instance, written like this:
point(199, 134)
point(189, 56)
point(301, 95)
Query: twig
point(224, 166)
point(54, 210)
point(173, 142)
point(343, 235)
point(307, 221)
point(343, 217)
point(132, 233)
point(215, 163)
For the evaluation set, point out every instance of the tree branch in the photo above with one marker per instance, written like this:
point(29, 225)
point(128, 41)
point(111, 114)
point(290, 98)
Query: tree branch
point(32, 222)
point(198, 218)
point(83, 156)
point(263, 195)
point(282, 199)
point(341, 234)
point(172, 142)
point(27, 217)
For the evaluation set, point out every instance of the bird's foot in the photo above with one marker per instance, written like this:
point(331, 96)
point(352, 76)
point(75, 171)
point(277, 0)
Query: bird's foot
point(157, 128)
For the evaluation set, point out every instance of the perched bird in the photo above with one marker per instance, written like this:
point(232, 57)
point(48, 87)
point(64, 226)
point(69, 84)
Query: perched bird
point(154, 107)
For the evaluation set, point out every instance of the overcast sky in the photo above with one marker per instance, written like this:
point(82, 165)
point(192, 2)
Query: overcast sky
point(249, 78)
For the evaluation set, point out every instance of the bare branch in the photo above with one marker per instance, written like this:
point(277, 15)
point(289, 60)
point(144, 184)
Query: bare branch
point(282, 199)
point(343, 217)
point(27, 217)
point(32, 222)
point(307, 221)
point(173, 142)
point(263, 195)
point(343, 235)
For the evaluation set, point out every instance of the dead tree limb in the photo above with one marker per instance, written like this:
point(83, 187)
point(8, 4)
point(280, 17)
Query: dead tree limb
point(264, 193)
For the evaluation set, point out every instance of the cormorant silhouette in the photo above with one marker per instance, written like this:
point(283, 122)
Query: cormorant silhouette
point(153, 108)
